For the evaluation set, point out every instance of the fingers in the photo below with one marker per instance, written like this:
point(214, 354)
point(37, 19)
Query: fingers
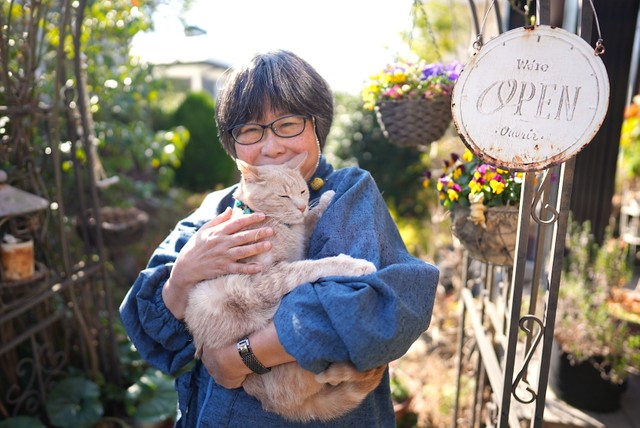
point(252, 236)
point(222, 246)
point(224, 366)
point(219, 219)
point(243, 251)
point(231, 226)
point(239, 232)
point(244, 268)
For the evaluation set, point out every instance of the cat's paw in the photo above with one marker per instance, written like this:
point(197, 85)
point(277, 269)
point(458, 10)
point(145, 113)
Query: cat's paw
point(337, 373)
point(325, 200)
point(356, 267)
point(327, 196)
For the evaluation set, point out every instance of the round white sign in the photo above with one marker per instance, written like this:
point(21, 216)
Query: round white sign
point(530, 98)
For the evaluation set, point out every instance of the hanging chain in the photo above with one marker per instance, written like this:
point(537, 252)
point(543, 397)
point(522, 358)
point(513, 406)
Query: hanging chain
point(419, 6)
point(477, 44)
point(598, 50)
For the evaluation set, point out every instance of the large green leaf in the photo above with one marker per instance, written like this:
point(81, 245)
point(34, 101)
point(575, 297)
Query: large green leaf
point(75, 403)
point(152, 398)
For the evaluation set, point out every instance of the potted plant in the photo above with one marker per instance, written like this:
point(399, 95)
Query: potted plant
point(594, 351)
point(400, 392)
point(412, 100)
point(484, 204)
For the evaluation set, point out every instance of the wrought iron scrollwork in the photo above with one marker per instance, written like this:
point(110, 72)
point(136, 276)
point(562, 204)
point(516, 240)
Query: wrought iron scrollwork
point(539, 206)
point(525, 323)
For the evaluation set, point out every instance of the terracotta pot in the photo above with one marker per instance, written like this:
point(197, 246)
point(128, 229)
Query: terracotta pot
point(401, 409)
point(18, 260)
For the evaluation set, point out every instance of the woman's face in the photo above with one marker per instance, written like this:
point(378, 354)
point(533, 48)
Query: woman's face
point(272, 149)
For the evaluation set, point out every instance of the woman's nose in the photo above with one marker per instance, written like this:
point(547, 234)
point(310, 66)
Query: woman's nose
point(271, 144)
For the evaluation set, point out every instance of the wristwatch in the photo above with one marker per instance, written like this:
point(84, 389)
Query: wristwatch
point(250, 360)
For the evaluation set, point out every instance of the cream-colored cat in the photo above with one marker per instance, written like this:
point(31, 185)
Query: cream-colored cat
point(222, 310)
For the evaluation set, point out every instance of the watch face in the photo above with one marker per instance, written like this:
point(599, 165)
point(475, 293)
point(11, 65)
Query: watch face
point(243, 347)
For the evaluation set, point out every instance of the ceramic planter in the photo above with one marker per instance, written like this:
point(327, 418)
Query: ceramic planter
point(581, 385)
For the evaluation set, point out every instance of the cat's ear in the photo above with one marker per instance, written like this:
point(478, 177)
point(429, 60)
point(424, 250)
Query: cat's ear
point(297, 161)
point(249, 172)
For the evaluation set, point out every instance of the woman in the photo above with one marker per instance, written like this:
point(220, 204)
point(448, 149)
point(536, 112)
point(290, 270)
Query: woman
point(271, 110)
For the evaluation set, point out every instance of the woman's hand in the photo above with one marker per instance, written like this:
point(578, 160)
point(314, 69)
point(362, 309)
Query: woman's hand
point(225, 366)
point(216, 249)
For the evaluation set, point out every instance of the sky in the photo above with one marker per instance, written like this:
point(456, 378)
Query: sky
point(345, 40)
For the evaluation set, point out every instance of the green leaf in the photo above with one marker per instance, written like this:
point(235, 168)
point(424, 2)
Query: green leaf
point(152, 398)
point(74, 402)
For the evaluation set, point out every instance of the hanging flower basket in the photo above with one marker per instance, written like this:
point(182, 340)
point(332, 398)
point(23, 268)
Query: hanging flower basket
point(119, 226)
point(412, 123)
point(495, 243)
point(412, 100)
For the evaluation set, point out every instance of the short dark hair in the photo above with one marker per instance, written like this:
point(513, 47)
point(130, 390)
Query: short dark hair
point(278, 80)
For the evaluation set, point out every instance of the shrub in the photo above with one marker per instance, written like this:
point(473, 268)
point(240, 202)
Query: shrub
point(205, 165)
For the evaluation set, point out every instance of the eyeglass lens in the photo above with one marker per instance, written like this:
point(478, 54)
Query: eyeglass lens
point(285, 127)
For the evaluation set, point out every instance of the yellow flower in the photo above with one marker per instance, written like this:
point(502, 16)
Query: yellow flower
point(397, 77)
point(489, 175)
point(496, 186)
point(453, 195)
point(467, 156)
point(475, 186)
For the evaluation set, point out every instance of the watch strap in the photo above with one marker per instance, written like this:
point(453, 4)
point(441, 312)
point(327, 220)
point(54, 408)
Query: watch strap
point(249, 359)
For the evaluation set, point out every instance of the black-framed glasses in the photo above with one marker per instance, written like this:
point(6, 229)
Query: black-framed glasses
point(286, 127)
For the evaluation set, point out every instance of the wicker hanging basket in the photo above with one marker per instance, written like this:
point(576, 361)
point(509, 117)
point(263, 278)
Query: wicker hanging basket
point(495, 244)
point(119, 226)
point(413, 123)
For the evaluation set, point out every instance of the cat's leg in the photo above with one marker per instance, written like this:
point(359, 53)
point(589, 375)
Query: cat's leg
point(302, 271)
point(334, 401)
point(286, 386)
point(298, 395)
point(340, 372)
point(222, 310)
point(314, 214)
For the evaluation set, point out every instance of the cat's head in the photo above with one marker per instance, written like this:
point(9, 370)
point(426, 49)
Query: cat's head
point(279, 191)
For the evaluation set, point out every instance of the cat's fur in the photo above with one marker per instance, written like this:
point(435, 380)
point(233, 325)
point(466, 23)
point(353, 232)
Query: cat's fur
point(222, 310)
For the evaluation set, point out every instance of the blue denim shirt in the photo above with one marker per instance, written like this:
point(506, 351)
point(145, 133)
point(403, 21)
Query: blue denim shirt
point(369, 322)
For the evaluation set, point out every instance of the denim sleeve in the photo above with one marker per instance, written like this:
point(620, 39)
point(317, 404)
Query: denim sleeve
point(369, 320)
point(159, 337)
